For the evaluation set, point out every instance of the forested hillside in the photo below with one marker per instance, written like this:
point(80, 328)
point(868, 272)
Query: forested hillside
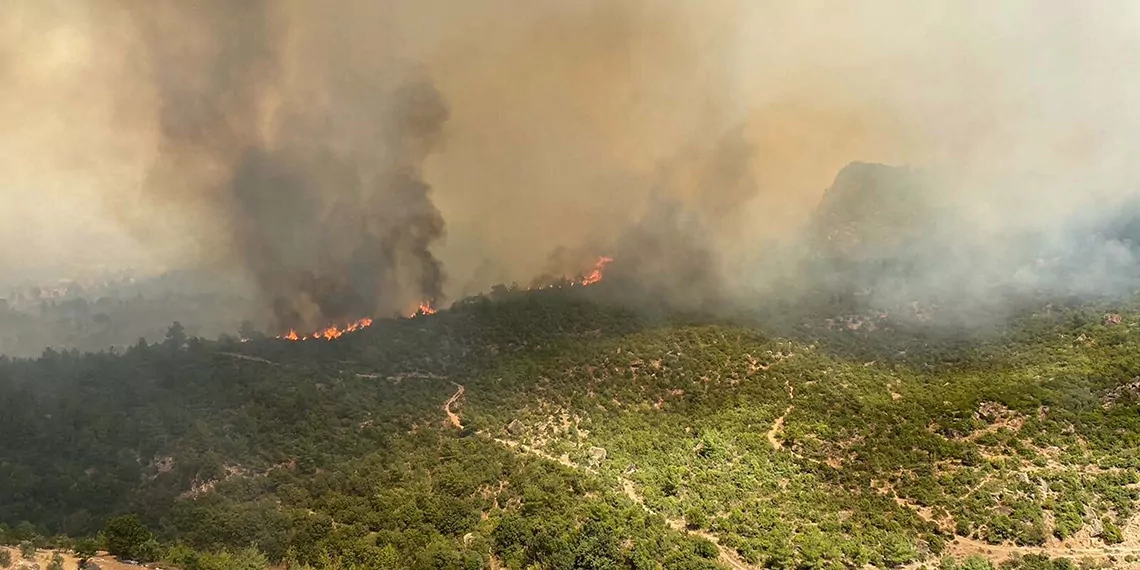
point(550, 429)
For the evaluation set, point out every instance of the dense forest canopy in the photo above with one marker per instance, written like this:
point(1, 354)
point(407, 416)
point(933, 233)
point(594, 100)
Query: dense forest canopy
point(588, 434)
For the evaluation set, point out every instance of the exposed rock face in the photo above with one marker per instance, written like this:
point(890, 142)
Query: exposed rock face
point(991, 411)
point(597, 454)
point(879, 227)
point(515, 428)
point(1112, 319)
point(90, 565)
point(1095, 525)
point(164, 464)
point(1124, 392)
point(873, 209)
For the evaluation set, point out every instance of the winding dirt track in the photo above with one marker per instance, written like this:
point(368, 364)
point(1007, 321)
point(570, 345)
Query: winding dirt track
point(960, 547)
point(241, 356)
point(726, 556)
point(777, 427)
point(453, 417)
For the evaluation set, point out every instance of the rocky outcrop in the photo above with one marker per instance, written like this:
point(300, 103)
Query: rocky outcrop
point(597, 454)
point(1123, 393)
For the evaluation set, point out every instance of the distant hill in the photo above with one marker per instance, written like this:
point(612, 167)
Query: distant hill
point(115, 313)
point(874, 212)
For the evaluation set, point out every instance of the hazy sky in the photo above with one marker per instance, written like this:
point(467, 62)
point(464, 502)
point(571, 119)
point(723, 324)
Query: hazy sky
point(564, 116)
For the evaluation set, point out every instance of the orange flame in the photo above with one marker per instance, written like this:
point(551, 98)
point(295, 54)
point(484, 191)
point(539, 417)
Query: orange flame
point(425, 308)
point(599, 268)
point(331, 332)
point(582, 280)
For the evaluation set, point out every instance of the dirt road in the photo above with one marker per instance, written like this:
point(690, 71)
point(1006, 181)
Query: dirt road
point(453, 417)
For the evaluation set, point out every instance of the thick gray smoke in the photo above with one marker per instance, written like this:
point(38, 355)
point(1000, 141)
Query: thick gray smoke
point(302, 143)
point(684, 248)
point(902, 242)
point(318, 195)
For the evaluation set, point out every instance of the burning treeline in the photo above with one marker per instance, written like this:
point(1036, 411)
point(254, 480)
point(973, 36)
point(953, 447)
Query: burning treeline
point(332, 332)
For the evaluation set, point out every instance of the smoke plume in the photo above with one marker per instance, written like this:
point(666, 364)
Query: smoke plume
point(318, 150)
point(317, 193)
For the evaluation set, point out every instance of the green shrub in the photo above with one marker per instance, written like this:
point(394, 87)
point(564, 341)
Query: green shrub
point(695, 518)
point(244, 559)
point(85, 548)
point(1110, 533)
point(127, 537)
point(705, 548)
point(975, 562)
point(898, 550)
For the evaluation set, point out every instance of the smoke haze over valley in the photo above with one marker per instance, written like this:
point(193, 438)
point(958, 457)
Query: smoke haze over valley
point(569, 284)
point(362, 158)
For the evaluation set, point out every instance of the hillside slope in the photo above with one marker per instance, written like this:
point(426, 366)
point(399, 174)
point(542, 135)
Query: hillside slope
point(591, 436)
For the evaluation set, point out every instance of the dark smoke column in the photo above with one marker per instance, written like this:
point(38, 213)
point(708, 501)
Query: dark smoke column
point(400, 221)
point(330, 237)
point(303, 171)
